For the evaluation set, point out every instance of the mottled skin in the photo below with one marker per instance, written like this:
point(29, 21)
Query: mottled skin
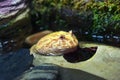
point(56, 43)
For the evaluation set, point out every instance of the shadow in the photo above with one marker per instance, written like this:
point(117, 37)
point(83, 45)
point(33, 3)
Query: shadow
point(81, 54)
point(74, 74)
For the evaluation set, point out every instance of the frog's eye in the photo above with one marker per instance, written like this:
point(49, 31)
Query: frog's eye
point(62, 37)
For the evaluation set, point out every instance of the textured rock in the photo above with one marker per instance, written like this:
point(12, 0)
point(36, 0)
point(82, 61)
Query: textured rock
point(9, 11)
point(14, 64)
point(41, 72)
point(11, 7)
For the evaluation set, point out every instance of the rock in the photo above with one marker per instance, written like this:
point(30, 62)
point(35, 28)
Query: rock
point(14, 64)
point(10, 7)
point(32, 39)
point(42, 72)
point(13, 20)
point(104, 63)
point(53, 72)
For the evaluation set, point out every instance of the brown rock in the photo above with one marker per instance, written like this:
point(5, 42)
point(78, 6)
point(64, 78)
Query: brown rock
point(32, 39)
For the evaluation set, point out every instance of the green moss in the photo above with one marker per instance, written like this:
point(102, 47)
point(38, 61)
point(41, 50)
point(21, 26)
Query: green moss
point(106, 17)
point(96, 17)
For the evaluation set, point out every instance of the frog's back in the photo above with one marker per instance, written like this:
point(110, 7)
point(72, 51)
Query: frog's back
point(57, 43)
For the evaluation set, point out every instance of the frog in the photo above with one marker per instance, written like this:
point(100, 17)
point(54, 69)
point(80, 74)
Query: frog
point(56, 43)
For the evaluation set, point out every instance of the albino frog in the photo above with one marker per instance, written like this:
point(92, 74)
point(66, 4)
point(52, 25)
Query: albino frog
point(56, 43)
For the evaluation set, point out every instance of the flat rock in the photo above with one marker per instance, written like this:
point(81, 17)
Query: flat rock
point(13, 64)
point(104, 64)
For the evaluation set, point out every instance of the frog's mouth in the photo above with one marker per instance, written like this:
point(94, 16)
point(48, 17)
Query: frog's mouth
point(34, 50)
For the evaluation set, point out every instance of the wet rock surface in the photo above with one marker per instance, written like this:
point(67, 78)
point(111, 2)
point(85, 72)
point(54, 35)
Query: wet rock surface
point(14, 64)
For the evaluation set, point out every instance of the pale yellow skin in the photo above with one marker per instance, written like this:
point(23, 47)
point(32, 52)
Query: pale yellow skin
point(56, 43)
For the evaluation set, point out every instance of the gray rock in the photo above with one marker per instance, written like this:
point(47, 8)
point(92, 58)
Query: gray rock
point(42, 72)
point(14, 64)
point(53, 72)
